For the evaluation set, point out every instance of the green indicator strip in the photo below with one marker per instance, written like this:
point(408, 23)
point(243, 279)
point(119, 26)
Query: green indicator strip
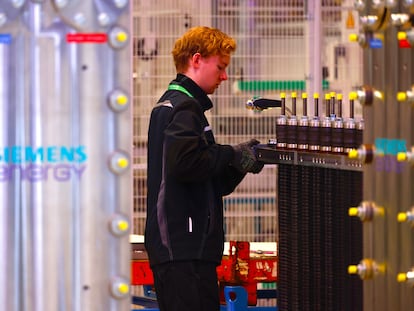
point(258, 85)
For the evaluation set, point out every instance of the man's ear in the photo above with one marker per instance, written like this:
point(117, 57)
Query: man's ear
point(195, 60)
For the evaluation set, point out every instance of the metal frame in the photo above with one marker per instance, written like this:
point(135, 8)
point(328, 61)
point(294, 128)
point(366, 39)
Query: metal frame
point(388, 69)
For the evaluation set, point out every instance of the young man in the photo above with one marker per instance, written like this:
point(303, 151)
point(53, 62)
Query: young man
point(188, 175)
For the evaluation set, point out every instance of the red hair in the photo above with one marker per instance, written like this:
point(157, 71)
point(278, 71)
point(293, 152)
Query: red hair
point(204, 40)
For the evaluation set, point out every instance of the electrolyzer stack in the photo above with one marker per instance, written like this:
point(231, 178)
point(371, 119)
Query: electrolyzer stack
point(386, 267)
point(65, 138)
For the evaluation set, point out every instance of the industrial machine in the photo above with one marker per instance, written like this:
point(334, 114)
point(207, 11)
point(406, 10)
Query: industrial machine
point(326, 261)
point(317, 183)
point(65, 183)
point(386, 37)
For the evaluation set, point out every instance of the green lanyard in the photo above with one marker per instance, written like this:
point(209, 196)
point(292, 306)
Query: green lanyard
point(177, 87)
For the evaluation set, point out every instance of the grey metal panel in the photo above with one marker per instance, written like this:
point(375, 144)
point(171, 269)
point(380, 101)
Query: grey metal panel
point(388, 183)
point(64, 152)
point(406, 131)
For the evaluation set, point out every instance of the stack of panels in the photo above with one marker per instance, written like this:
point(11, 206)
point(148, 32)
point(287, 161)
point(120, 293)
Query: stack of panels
point(284, 245)
point(317, 238)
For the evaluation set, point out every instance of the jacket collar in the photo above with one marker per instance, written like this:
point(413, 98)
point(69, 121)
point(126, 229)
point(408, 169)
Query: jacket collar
point(195, 90)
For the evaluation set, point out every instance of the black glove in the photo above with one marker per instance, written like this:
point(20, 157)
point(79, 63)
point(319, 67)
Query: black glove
point(245, 159)
point(257, 167)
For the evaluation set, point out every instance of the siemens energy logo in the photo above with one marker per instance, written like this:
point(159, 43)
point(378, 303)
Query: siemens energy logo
point(35, 164)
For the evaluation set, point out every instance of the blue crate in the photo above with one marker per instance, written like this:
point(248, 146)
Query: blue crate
point(236, 300)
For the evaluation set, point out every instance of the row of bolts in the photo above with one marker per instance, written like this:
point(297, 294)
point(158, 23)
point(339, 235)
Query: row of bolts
point(368, 268)
point(331, 133)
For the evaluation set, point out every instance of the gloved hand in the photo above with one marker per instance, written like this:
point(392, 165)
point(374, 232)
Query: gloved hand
point(257, 167)
point(245, 159)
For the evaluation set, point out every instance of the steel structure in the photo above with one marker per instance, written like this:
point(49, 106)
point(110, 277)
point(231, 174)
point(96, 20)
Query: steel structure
point(64, 155)
point(386, 37)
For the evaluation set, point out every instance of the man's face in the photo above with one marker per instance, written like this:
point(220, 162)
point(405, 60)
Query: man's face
point(212, 71)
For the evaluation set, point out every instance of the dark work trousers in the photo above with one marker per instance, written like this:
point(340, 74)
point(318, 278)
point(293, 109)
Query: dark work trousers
point(186, 286)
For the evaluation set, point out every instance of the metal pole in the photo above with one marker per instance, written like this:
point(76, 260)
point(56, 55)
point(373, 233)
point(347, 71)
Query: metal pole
point(314, 42)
